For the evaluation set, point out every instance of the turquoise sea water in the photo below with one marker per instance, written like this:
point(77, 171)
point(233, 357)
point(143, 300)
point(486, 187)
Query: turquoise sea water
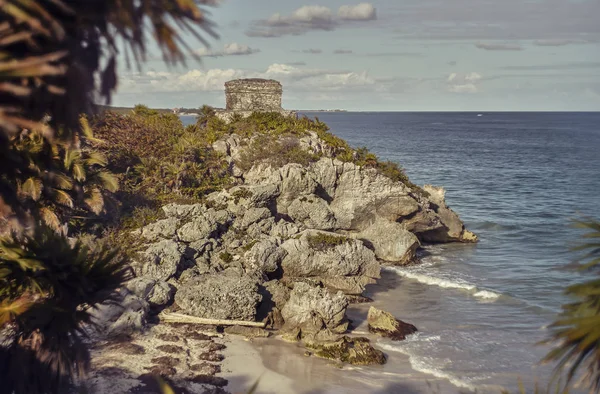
point(517, 180)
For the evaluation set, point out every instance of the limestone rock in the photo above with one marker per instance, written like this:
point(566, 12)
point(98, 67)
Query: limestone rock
point(313, 212)
point(205, 225)
point(265, 256)
point(361, 191)
point(386, 325)
point(284, 229)
point(391, 241)
point(352, 350)
point(312, 309)
point(199, 228)
point(161, 260)
point(225, 295)
point(251, 216)
point(157, 293)
point(183, 211)
point(162, 229)
point(328, 256)
point(453, 228)
point(127, 316)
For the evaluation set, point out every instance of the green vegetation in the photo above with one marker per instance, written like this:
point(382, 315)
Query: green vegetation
point(577, 329)
point(275, 140)
point(322, 241)
point(57, 57)
point(226, 257)
point(276, 151)
point(157, 161)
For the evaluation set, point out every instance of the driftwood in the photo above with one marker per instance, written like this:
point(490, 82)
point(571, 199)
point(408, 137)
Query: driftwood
point(181, 318)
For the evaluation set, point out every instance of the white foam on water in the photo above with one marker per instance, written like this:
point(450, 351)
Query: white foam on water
point(453, 283)
point(420, 365)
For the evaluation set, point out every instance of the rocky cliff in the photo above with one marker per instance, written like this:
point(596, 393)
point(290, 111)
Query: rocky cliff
point(295, 239)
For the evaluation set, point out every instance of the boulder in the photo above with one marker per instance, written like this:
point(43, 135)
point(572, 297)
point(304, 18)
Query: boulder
point(197, 229)
point(386, 325)
point(351, 350)
point(329, 256)
point(265, 256)
point(285, 230)
point(361, 192)
point(205, 225)
point(391, 241)
point(183, 211)
point(251, 216)
point(160, 260)
point(311, 310)
point(313, 212)
point(127, 316)
point(163, 229)
point(224, 295)
point(157, 293)
point(453, 228)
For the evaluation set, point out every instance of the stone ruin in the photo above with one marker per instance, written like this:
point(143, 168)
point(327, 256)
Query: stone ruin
point(245, 96)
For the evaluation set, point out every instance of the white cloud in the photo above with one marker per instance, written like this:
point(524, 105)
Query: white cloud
point(233, 49)
point(310, 18)
point(463, 83)
point(313, 51)
point(497, 46)
point(213, 80)
point(360, 12)
point(557, 42)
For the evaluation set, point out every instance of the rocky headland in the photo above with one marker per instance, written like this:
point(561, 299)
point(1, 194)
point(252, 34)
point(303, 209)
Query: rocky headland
point(286, 244)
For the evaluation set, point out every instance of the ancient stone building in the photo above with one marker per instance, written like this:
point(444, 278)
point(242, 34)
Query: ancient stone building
point(245, 96)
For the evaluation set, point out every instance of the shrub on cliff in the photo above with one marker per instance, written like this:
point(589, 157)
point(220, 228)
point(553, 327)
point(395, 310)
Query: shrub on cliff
point(158, 161)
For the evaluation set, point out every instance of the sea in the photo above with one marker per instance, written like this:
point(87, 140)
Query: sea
point(519, 181)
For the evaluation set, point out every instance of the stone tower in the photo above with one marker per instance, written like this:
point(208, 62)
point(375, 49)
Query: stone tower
point(245, 96)
point(253, 95)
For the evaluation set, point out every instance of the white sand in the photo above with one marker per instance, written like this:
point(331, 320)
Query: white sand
point(243, 367)
point(284, 369)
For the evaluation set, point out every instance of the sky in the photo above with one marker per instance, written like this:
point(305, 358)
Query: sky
point(389, 55)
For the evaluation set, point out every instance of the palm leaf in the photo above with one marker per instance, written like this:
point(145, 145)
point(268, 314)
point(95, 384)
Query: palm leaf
point(32, 188)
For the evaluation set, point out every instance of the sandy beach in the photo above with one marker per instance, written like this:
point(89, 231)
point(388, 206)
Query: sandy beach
point(283, 368)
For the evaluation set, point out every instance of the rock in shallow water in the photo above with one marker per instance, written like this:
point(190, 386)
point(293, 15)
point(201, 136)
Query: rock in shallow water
point(351, 350)
point(386, 325)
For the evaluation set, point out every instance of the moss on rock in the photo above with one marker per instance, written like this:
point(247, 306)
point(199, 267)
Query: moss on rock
point(355, 351)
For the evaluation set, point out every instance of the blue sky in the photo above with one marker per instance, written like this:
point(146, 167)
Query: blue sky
point(391, 55)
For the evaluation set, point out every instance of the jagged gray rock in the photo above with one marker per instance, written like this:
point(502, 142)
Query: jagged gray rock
point(309, 257)
point(285, 230)
point(225, 295)
point(312, 310)
point(313, 212)
point(157, 293)
point(265, 256)
point(160, 260)
point(162, 229)
point(391, 241)
point(251, 216)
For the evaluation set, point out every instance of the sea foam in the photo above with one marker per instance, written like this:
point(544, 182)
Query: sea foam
point(444, 283)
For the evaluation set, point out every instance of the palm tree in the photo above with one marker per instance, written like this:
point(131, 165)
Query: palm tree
point(58, 59)
point(577, 330)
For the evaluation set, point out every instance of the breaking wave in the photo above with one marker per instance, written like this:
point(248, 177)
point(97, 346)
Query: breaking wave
point(447, 283)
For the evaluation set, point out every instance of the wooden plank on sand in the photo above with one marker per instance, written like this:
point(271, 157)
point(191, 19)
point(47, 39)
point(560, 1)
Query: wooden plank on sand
point(181, 318)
